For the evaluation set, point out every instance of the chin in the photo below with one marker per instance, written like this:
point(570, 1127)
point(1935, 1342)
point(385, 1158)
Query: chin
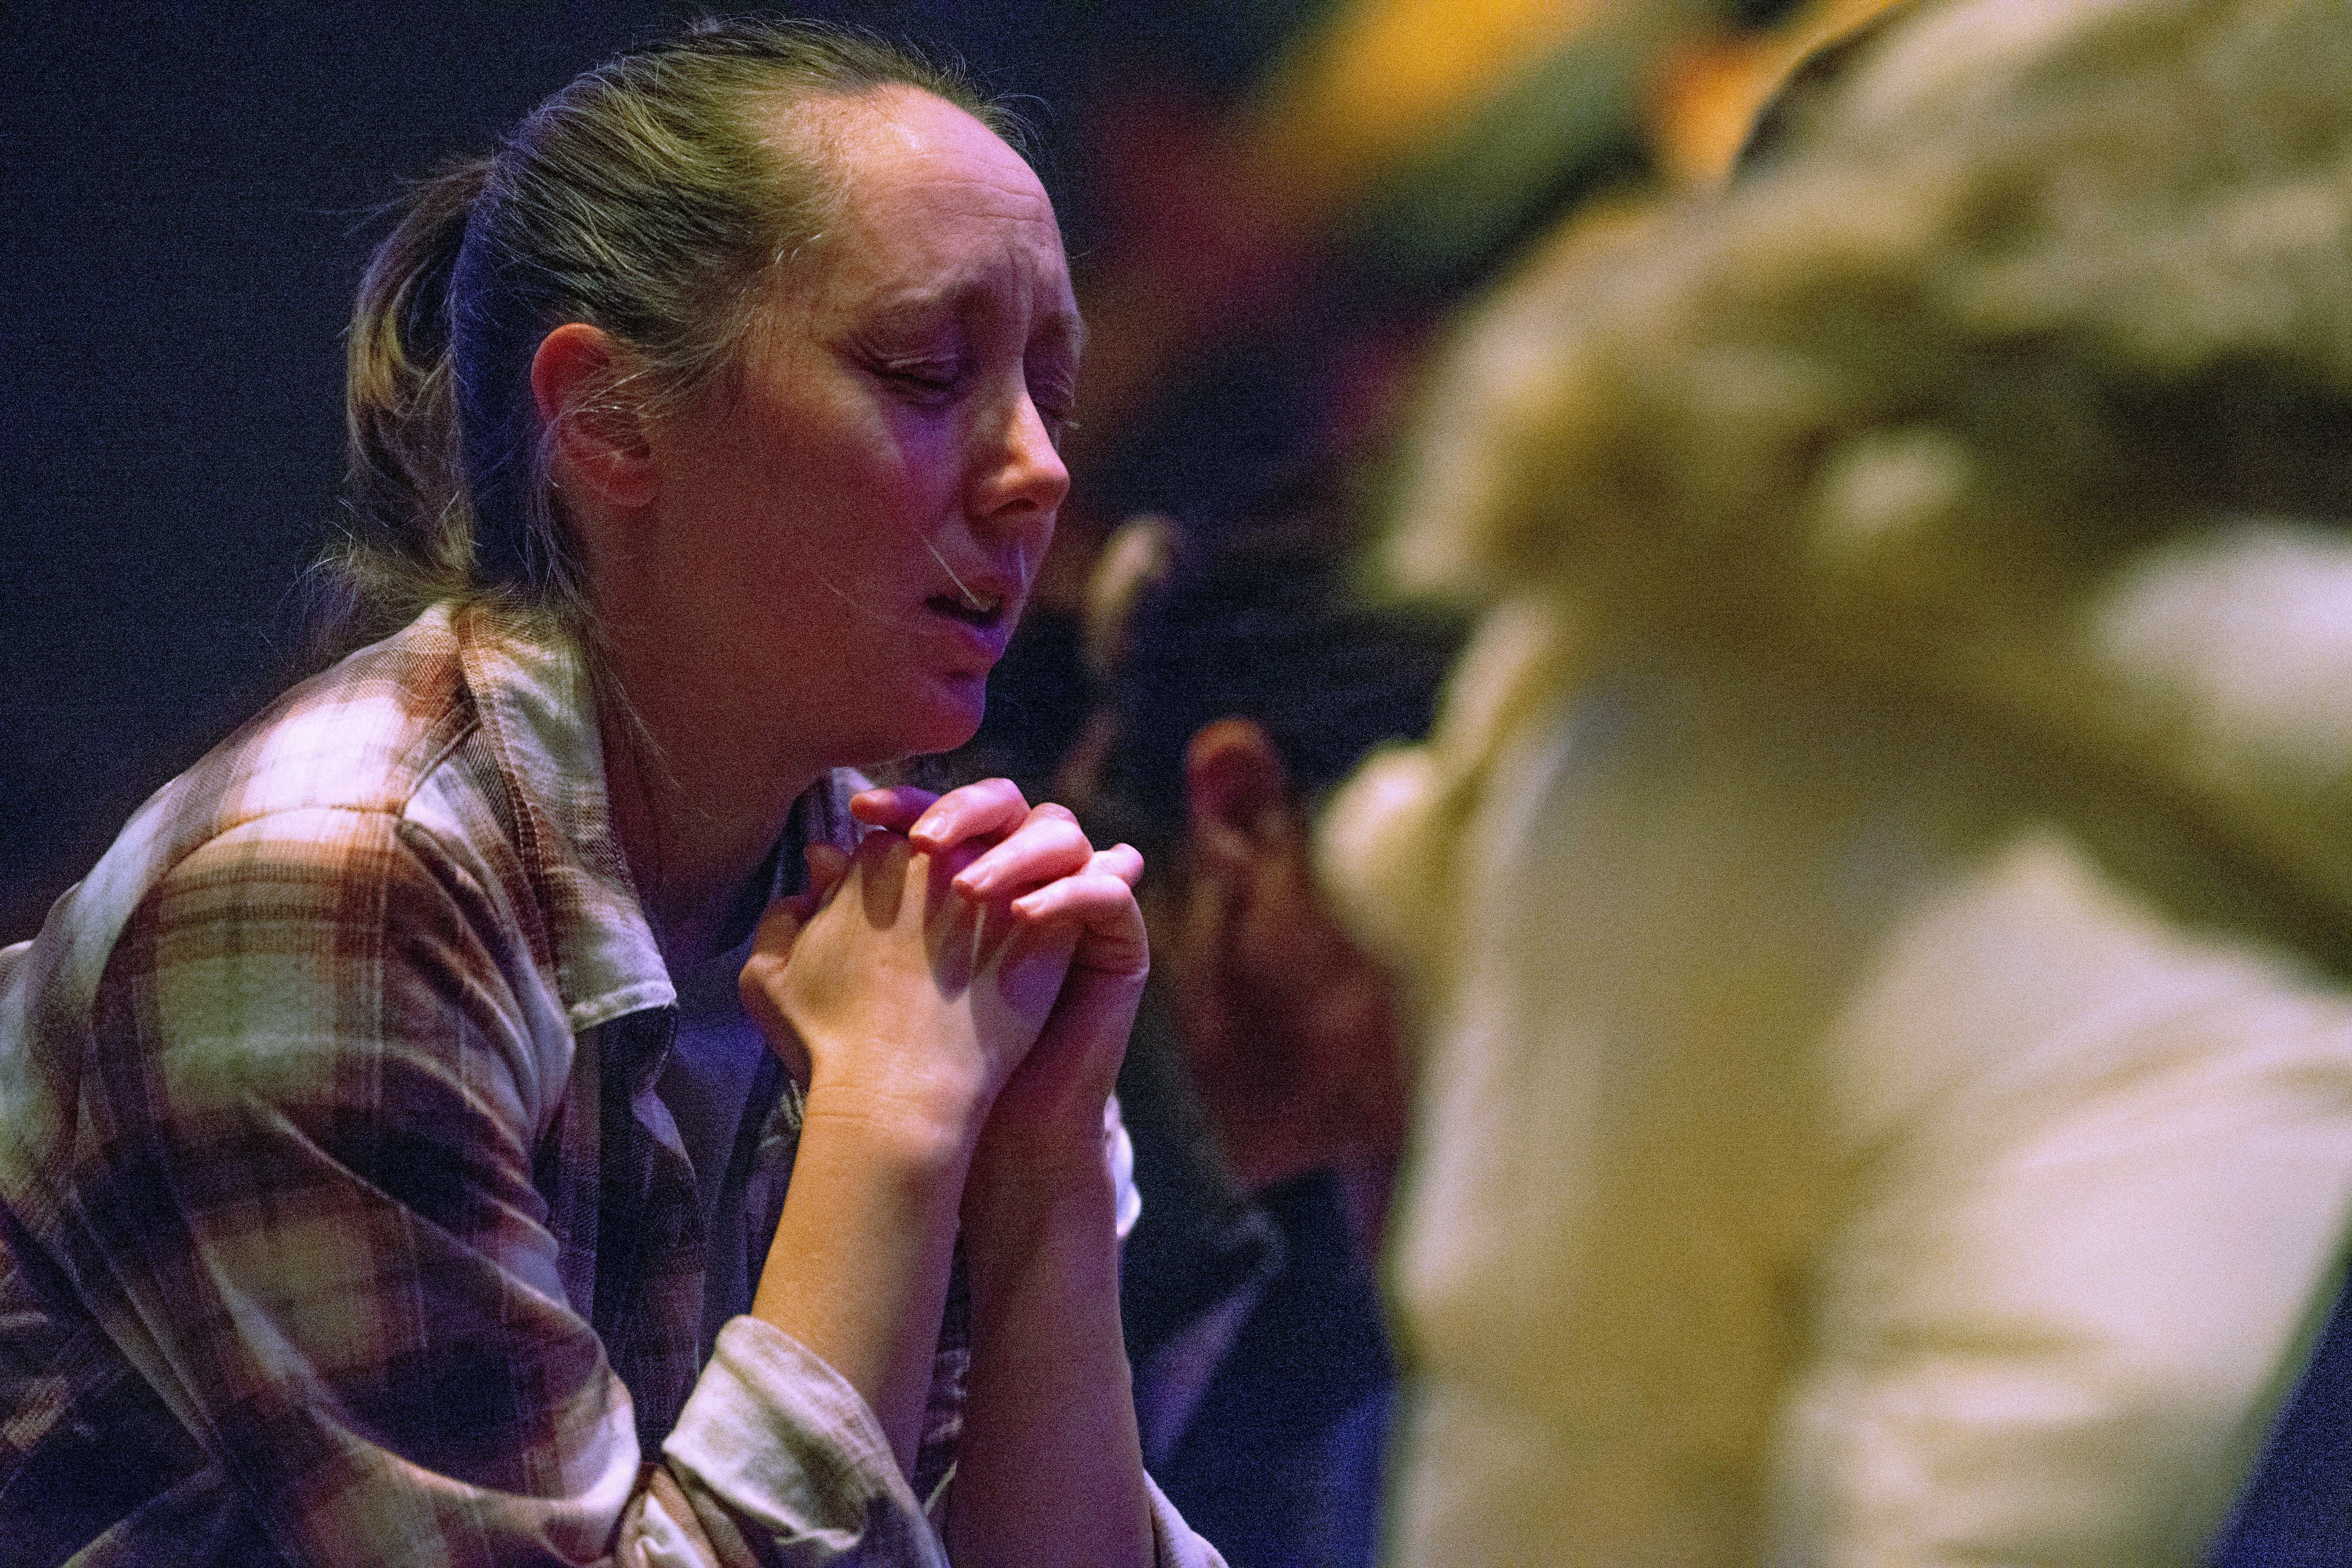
point(929, 722)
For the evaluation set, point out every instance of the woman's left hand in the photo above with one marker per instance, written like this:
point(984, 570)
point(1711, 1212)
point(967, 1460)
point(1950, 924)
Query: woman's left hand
point(1050, 1112)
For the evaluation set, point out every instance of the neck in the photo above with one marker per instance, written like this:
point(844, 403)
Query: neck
point(697, 817)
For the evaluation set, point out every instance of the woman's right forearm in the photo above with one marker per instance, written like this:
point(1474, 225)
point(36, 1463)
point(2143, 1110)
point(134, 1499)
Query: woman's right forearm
point(858, 1270)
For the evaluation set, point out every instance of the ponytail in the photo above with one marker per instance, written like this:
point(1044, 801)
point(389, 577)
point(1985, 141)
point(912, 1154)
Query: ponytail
point(408, 528)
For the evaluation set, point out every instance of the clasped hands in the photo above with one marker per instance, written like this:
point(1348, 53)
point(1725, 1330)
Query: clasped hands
point(969, 976)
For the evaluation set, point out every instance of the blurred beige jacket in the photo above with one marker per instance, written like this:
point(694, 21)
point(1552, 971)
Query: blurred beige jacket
point(1879, 898)
point(1837, 1145)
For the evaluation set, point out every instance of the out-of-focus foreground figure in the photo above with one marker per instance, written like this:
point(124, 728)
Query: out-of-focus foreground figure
point(1877, 893)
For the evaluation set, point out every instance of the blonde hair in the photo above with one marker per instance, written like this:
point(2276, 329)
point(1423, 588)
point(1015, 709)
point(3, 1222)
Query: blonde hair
point(643, 199)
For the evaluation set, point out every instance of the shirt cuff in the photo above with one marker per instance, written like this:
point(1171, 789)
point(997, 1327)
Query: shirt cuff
point(789, 1451)
point(792, 1452)
point(1173, 1545)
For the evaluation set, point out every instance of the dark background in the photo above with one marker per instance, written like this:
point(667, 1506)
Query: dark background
point(190, 200)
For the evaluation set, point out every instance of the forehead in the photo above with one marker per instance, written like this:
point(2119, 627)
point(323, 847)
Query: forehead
point(931, 205)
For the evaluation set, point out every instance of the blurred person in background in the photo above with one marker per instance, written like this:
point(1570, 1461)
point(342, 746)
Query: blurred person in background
point(1874, 896)
point(1264, 1086)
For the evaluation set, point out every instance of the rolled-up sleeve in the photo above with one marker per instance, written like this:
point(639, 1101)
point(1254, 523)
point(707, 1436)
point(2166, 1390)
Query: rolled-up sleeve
point(777, 1460)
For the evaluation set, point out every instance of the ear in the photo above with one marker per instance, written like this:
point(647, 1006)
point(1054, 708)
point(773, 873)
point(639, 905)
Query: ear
point(1236, 795)
point(598, 445)
point(1132, 560)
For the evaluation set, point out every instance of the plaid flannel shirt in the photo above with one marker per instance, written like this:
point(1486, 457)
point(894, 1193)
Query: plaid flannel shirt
point(339, 1219)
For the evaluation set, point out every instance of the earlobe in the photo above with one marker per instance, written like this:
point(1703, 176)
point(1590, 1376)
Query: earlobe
point(1237, 793)
point(599, 443)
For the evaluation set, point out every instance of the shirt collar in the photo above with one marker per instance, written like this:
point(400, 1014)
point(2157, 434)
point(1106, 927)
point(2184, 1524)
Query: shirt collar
point(538, 711)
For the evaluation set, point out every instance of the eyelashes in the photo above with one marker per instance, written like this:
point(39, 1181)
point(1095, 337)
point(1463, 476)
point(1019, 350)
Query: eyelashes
point(1053, 404)
point(928, 382)
point(933, 387)
point(937, 381)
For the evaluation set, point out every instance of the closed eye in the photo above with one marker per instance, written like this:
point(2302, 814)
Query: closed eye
point(1054, 395)
point(925, 380)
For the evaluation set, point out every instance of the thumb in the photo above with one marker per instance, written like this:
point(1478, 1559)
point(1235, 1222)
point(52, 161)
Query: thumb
point(827, 864)
point(780, 926)
point(779, 929)
point(761, 985)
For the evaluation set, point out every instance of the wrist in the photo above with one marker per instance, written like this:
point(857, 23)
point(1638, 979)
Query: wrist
point(1033, 1185)
point(924, 1086)
point(1044, 1150)
point(918, 1131)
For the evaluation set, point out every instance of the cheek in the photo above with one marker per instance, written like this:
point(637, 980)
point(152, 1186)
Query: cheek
point(853, 519)
point(909, 451)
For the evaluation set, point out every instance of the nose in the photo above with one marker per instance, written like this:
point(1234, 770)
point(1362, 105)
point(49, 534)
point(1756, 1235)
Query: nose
point(1022, 480)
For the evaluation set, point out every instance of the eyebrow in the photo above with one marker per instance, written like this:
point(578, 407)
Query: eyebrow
point(1064, 329)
